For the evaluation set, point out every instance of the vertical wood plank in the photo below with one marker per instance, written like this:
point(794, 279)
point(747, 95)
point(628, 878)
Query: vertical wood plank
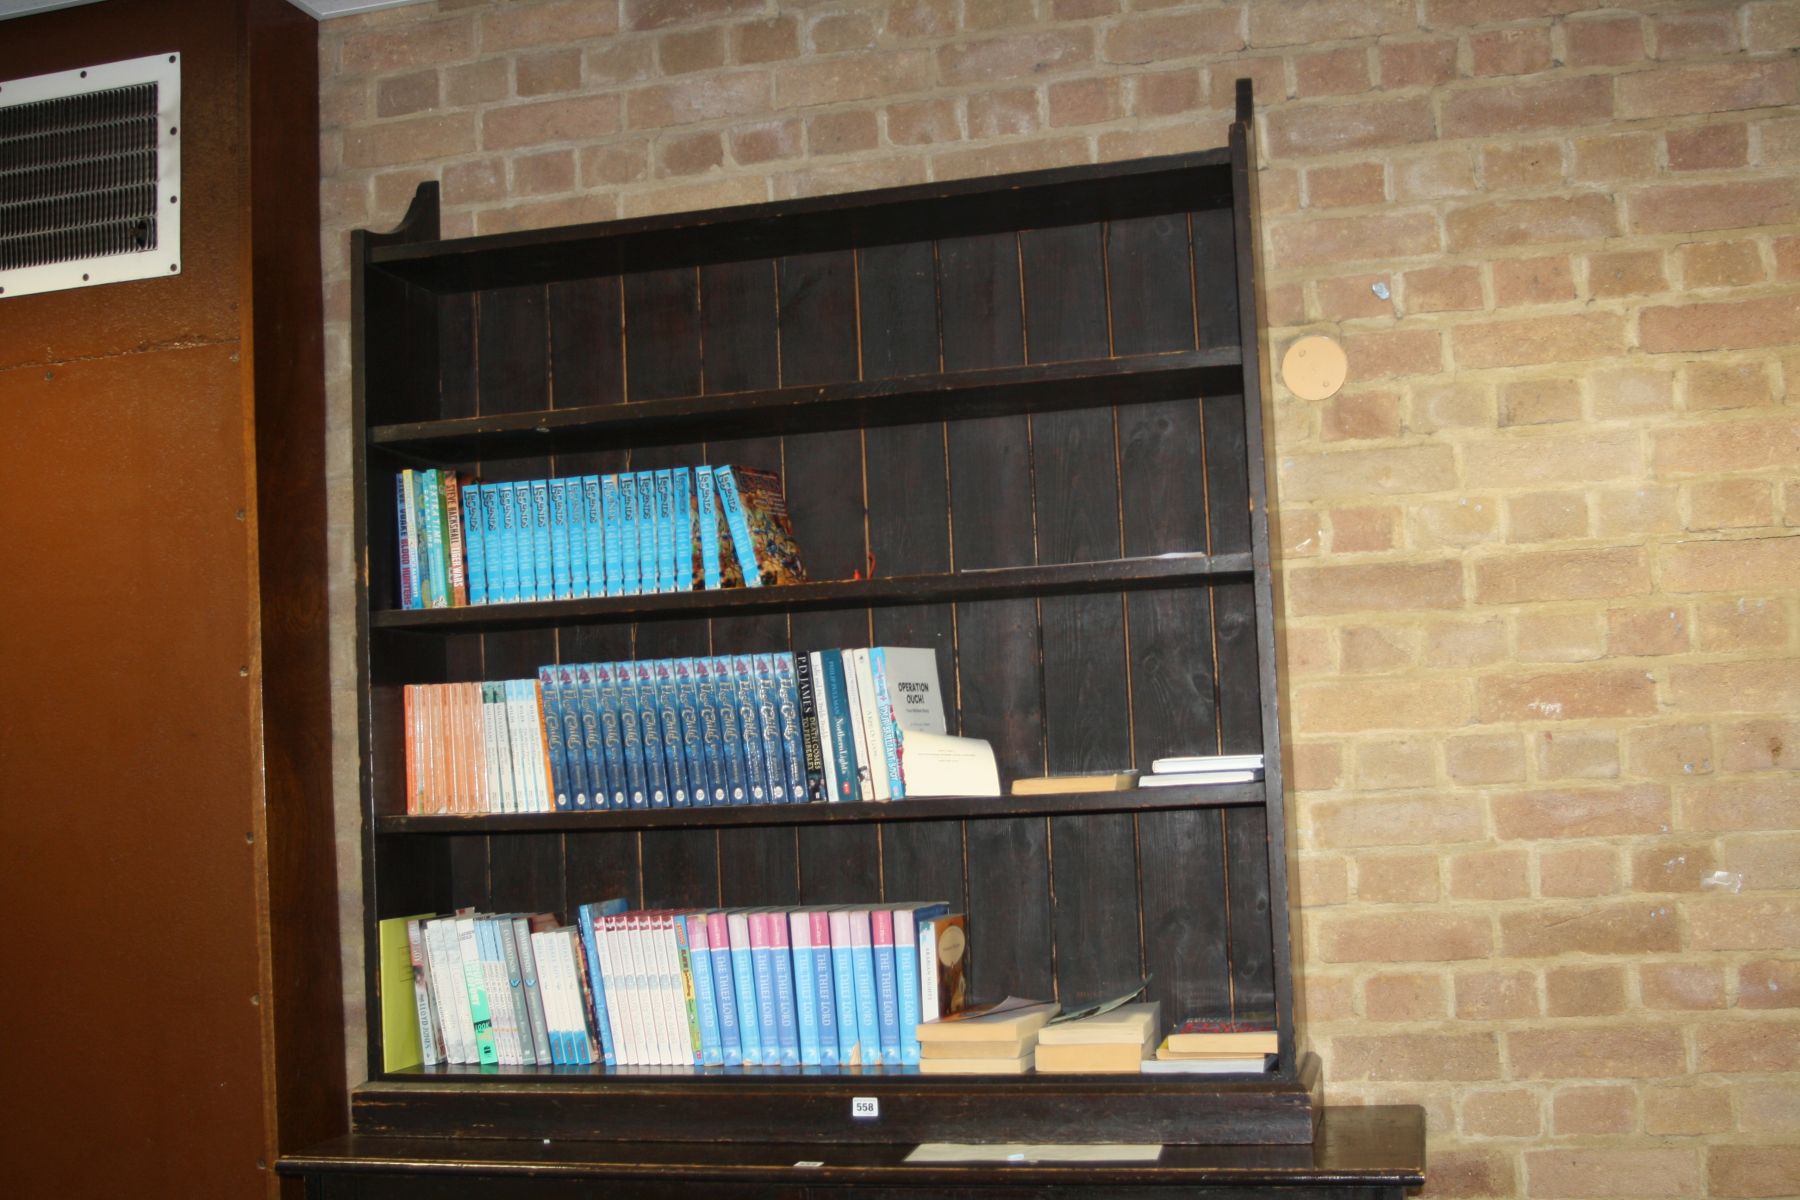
point(997, 684)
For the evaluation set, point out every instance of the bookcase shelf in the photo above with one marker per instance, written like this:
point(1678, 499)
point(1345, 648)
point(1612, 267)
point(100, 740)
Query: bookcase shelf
point(1056, 579)
point(1018, 421)
point(933, 808)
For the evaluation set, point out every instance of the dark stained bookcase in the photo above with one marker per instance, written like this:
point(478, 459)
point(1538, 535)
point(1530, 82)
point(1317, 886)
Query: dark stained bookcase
point(1020, 421)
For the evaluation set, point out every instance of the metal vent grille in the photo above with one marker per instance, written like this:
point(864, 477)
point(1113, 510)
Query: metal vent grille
point(89, 176)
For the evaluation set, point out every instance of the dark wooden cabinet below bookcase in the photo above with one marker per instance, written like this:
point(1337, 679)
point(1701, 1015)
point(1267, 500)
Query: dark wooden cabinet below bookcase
point(1020, 421)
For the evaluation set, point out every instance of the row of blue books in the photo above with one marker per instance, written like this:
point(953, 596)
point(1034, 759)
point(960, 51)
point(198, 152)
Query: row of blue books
point(840, 985)
point(465, 542)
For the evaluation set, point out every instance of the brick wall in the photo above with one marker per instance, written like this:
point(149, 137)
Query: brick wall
point(1543, 549)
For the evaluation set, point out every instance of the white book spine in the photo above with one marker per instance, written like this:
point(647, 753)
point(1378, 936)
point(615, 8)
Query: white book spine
point(452, 998)
point(428, 1022)
point(928, 972)
point(478, 774)
point(869, 729)
point(614, 977)
point(655, 991)
point(549, 973)
point(684, 1034)
point(822, 706)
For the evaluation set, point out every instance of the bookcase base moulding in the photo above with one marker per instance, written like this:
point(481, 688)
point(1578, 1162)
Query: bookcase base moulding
point(1018, 421)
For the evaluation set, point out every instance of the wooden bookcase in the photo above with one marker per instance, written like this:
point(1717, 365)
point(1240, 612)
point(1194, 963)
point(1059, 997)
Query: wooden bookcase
point(1020, 421)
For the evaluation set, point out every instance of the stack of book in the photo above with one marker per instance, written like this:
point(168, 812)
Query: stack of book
point(1203, 769)
point(1203, 1046)
point(465, 542)
point(833, 986)
point(995, 1039)
point(837, 725)
point(1115, 1041)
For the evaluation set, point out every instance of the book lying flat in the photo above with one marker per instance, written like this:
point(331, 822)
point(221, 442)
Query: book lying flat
point(1012, 1047)
point(1207, 762)
point(1239, 1065)
point(1127, 1025)
point(1243, 1035)
point(1200, 777)
point(977, 1065)
point(1009, 1018)
point(1093, 1059)
point(1097, 781)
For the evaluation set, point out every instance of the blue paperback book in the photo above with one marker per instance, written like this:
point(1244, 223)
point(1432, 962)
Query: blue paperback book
point(706, 509)
point(586, 916)
point(562, 568)
point(665, 530)
point(731, 740)
point(474, 544)
point(628, 534)
point(718, 936)
point(496, 502)
point(787, 1008)
point(743, 978)
point(823, 989)
point(542, 556)
point(429, 491)
point(594, 526)
point(868, 1004)
point(656, 774)
point(768, 715)
point(843, 742)
point(648, 579)
point(523, 554)
point(612, 511)
point(843, 987)
point(554, 735)
point(403, 523)
point(756, 774)
point(623, 703)
point(693, 749)
point(793, 749)
point(741, 545)
point(674, 742)
point(889, 741)
point(887, 984)
point(581, 741)
point(806, 986)
point(577, 502)
point(706, 1002)
point(763, 980)
point(684, 529)
point(612, 746)
point(712, 737)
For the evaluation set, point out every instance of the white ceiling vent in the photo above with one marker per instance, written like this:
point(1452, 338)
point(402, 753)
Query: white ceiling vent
point(90, 176)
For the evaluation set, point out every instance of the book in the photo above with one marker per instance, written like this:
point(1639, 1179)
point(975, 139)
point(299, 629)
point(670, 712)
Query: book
point(824, 989)
point(562, 568)
point(542, 555)
point(871, 731)
point(793, 748)
point(1096, 781)
point(456, 561)
point(556, 738)
point(674, 739)
point(1230, 1064)
point(649, 580)
point(1092, 1058)
point(706, 521)
point(682, 485)
point(575, 488)
point(524, 540)
point(1181, 764)
point(756, 762)
point(685, 961)
point(1128, 1024)
point(868, 1001)
point(731, 505)
point(502, 928)
point(887, 983)
point(493, 547)
point(612, 510)
point(621, 688)
point(718, 939)
point(475, 983)
point(812, 747)
point(979, 1065)
point(665, 530)
point(1007, 1047)
point(768, 719)
point(787, 1007)
point(764, 506)
point(628, 537)
point(403, 524)
point(474, 526)
point(941, 765)
point(706, 995)
point(402, 1021)
point(843, 988)
point(1009, 1018)
point(429, 493)
point(844, 766)
point(943, 965)
point(806, 986)
point(1198, 777)
point(432, 1039)
point(1254, 1034)
point(533, 985)
point(743, 979)
point(693, 744)
point(731, 736)
point(595, 525)
point(712, 747)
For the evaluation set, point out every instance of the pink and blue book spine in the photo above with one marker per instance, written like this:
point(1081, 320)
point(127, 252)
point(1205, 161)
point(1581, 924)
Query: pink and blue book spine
point(906, 972)
point(843, 989)
point(594, 529)
point(665, 530)
point(706, 1001)
point(706, 507)
point(756, 771)
point(781, 968)
point(731, 740)
point(628, 533)
point(718, 939)
point(682, 479)
point(674, 744)
point(806, 987)
point(693, 749)
point(824, 993)
point(887, 984)
point(712, 746)
point(656, 773)
point(763, 980)
point(542, 556)
point(475, 543)
point(743, 977)
point(562, 568)
point(648, 579)
point(768, 717)
point(612, 511)
point(582, 787)
point(554, 735)
point(741, 545)
point(793, 746)
point(403, 523)
point(502, 567)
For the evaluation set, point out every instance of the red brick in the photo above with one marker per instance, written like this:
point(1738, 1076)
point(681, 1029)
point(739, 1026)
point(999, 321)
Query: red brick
point(1395, 878)
point(1769, 983)
point(656, 14)
point(1519, 282)
point(1521, 165)
point(1748, 1046)
point(401, 95)
point(1443, 289)
point(1332, 73)
point(859, 77)
point(1019, 56)
point(1267, 76)
point(1625, 273)
point(1708, 148)
point(1002, 114)
point(382, 50)
point(1549, 517)
point(1470, 1173)
point(1337, 187)
point(689, 50)
point(547, 73)
point(1317, 768)
point(542, 174)
point(1734, 626)
point(583, 119)
point(766, 141)
point(1496, 995)
point(1703, 34)
point(1768, 1107)
point(1772, 25)
point(1333, 128)
point(1681, 987)
point(619, 162)
point(1593, 1110)
point(1749, 565)
point(1640, 1173)
point(1412, 937)
point(1363, 473)
point(1744, 923)
point(1605, 1052)
point(413, 140)
point(1489, 874)
point(690, 153)
point(1565, 695)
point(1686, 1111)
point(1572, 872)
point(1416, 64)
point(609, 65)
point(1614, 156)
point(1721, 264)
point(1316, 590)
point(1357, 415)
point(1388, 354)
point(1189, 35)
point(1578, 754)
point(1730, 504)
point(1733, 1171)
point(1713, 385)
point(1724, 325)
point(1683, 208)
point(730, 95)
point(1416, 1056)
point(836, 33)
point(1634, 632)
point(1498, 224)
point(1525, 107)
point(1519, 578)
point(1635, 511)
point(1760, 745)
point(1434, 175)
point(1604, 41)
point(1711, 87)
point(1637, 808)
point(1583, 991)
point(558, 22)
point(1540, 340)
point(1483, 758)
point(1158, 94)
point(1511, 1113)
point(923, 122)
point(1521, 50)
point(770, 40)
point(1353, 707)
point(1762, 861)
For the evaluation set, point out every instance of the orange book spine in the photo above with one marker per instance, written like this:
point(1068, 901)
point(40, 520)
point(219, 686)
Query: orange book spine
point(543, 738)
point(412, 766)
point(440, 756)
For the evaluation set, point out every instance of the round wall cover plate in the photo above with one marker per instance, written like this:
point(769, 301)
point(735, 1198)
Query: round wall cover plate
point(1314, 367)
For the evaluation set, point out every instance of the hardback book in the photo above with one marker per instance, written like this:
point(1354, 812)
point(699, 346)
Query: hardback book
point(1254, 1034)
point(771, 534)
point(1098, 781)
point(1009, 1018)
point(1181, 764)
point(979, 1065)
